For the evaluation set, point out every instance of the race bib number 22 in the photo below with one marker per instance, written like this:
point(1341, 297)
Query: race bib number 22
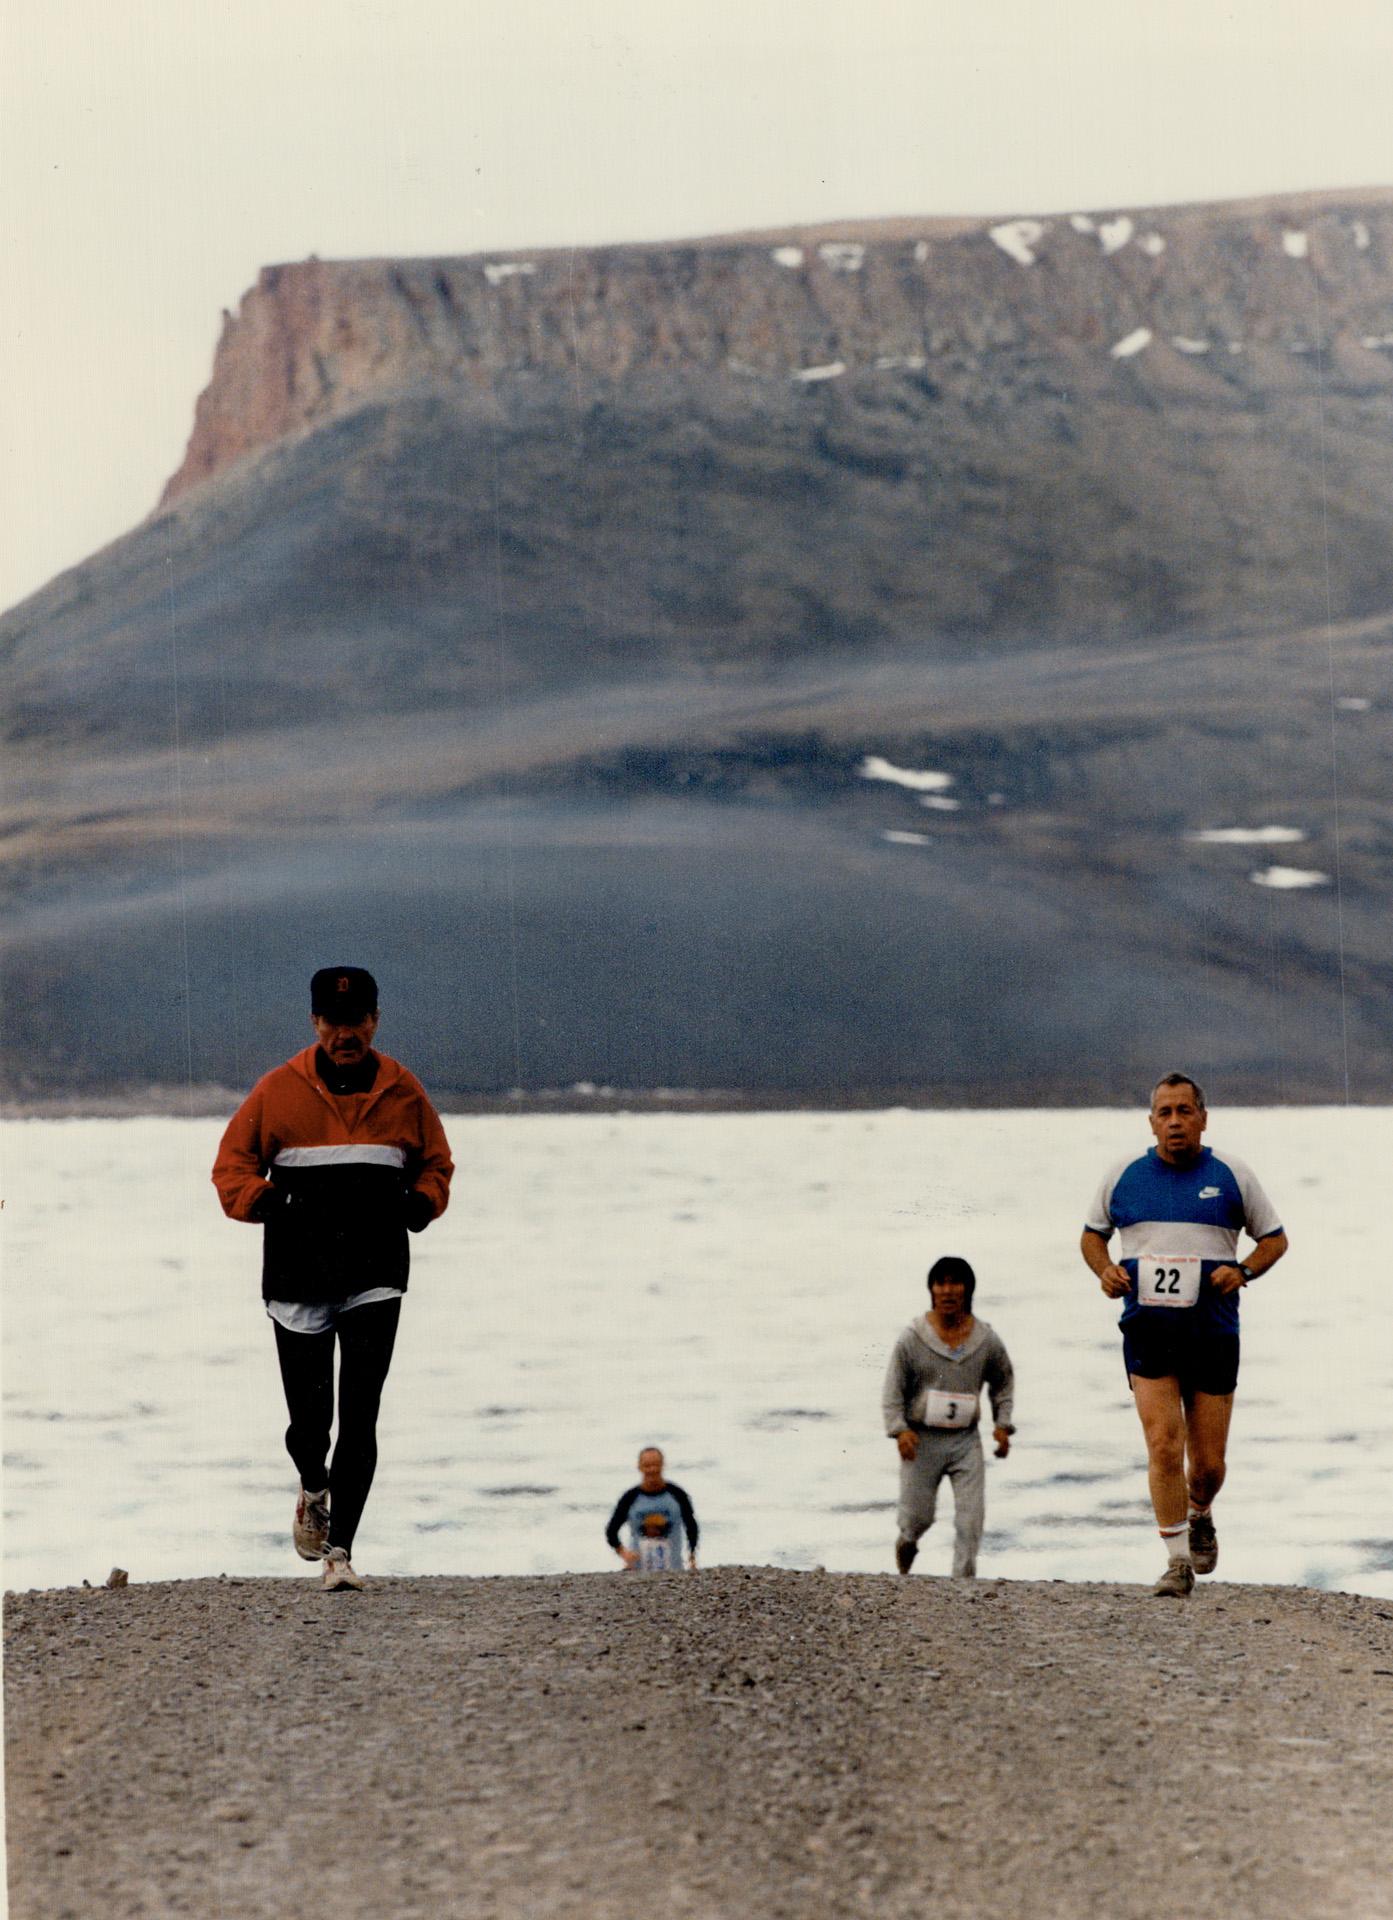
point(1168, 1279)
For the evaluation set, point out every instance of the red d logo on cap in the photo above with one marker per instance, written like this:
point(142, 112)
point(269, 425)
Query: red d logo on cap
point(337, 991)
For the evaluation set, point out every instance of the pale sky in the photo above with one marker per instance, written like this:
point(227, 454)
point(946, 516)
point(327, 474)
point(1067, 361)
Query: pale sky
point(155, 154)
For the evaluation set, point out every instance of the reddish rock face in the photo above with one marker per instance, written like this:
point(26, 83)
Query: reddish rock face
point(1190, 302)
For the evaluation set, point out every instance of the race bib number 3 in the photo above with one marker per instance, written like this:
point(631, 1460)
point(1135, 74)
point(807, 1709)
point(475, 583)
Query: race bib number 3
point(949, 1409)
point(656, 1556)
point(1168, 1279)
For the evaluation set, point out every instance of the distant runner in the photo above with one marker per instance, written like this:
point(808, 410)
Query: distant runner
point(659, 1515)
point(932, 1403)
point(1179, 1209)
point(338, 1154)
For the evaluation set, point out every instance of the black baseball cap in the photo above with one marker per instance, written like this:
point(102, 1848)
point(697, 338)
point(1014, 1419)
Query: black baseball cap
point(343, 993)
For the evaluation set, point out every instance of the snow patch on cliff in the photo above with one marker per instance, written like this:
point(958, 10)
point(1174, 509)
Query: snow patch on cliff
point(1249, 836)
point(873, 767)
point(842, 256)
point(1131, 343)
point(1019, 239)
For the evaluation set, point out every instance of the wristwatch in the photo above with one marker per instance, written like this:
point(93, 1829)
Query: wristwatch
point(1247, 1273)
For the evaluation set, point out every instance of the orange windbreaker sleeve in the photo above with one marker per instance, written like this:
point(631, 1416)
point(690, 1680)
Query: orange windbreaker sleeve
point(432, 1177)
point(239, 1170)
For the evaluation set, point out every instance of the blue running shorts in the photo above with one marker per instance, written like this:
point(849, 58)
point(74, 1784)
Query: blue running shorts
point(1202, 1359)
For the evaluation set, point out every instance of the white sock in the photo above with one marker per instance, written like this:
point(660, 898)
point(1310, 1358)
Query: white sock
point(1200, 1513)
point(1177, 1540)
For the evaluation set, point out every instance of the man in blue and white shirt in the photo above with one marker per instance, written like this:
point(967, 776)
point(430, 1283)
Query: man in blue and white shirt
point(659, 1517)
point(1179, 1210)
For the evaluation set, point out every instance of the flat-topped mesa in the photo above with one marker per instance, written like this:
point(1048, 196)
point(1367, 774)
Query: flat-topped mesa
point(1105, 293)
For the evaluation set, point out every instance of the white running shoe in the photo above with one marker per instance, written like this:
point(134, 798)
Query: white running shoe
point(339, 1574)
point(311, 1529)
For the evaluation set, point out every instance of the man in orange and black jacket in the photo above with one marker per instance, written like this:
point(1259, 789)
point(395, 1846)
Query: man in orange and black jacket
point(338, 1154)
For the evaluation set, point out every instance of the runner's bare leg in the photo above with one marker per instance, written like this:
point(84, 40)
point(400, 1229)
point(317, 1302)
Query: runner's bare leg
point(1206, 1440)
point(1162, 1414)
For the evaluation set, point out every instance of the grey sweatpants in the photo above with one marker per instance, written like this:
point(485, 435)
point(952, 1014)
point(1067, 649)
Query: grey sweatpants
point(959, 1456)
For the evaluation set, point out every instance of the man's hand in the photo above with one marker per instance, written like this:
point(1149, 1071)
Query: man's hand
point(627, 1555)
point(1111, 1278)
point(417, 1211)
point(908, 1444)
point(1227, 1279)
point(1003, 1442)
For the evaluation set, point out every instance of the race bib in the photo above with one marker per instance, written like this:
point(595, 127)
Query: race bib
point(1168, 1279)
point(949, 1409)
point(656, 1556)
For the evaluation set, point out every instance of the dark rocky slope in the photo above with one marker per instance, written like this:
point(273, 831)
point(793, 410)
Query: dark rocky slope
point(524, 633)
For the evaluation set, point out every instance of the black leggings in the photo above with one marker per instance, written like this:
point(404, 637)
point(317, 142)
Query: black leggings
point(366, 1336)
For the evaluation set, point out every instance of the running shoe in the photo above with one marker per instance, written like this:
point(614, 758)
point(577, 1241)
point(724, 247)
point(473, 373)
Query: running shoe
point(311, 1530)
point(338, 1573)
point(1176, 1583)
point(906, 1553)
point(1204, 1544)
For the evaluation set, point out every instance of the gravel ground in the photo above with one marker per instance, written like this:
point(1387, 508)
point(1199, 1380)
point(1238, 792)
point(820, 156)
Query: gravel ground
point(733, 1743)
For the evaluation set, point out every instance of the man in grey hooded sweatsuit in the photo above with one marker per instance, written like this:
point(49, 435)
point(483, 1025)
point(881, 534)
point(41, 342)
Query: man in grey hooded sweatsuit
point(932, 1401)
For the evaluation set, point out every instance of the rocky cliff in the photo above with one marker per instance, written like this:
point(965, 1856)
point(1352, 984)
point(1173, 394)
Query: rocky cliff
point(539, 629)
point(1209, 302)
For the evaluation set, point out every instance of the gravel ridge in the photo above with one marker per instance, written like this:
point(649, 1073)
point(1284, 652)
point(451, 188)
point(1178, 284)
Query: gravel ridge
point(745, 1741)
